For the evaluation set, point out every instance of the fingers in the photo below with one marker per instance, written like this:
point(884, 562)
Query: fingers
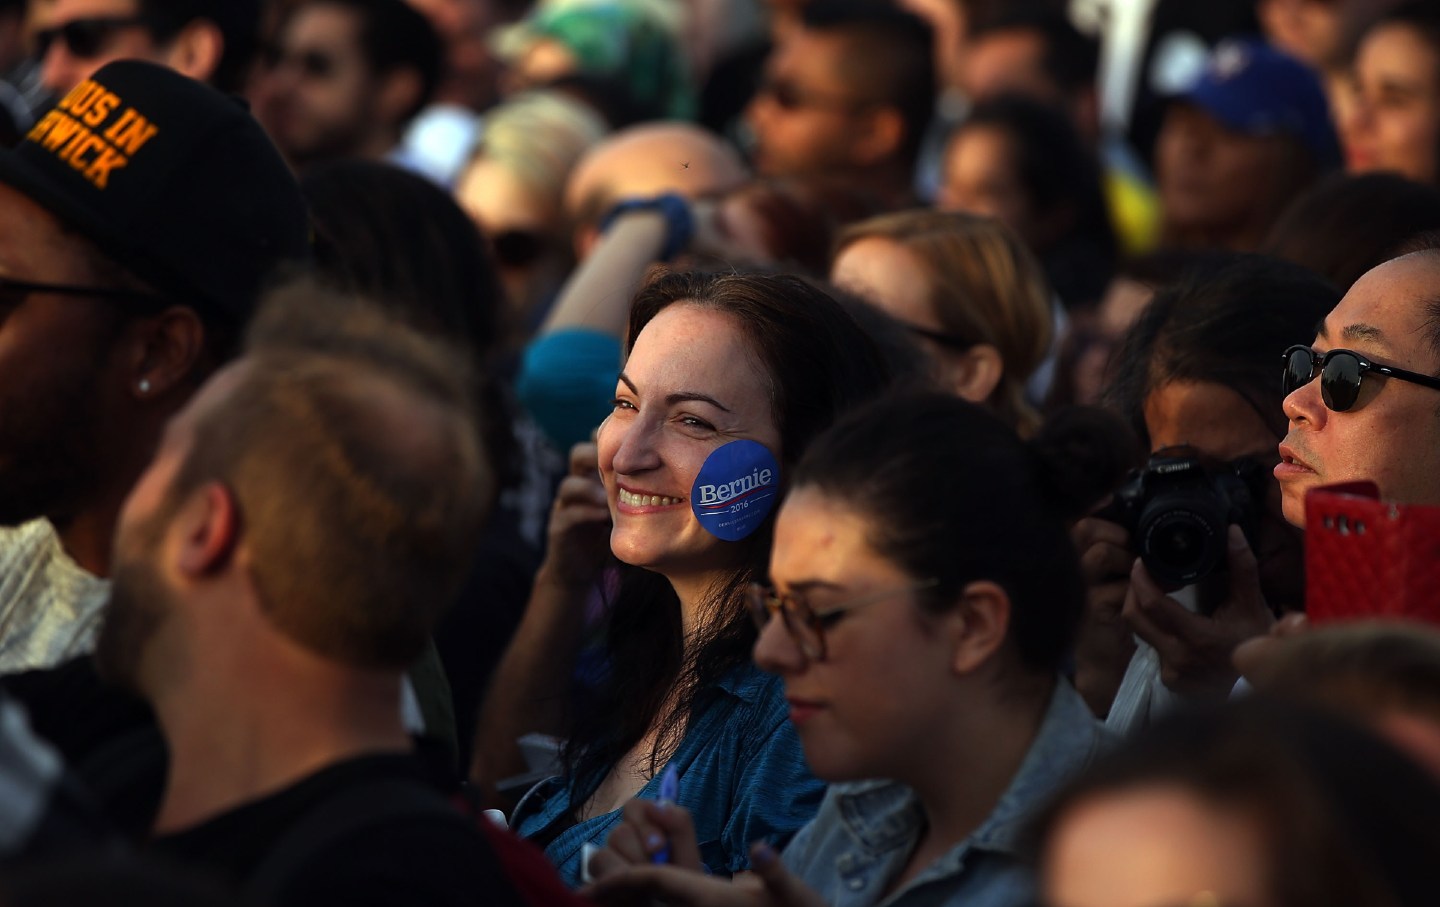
point(1144, 611)
point(1244, 571)
point(649, 828)
point(1104, 550)
point(1253, 657)
point(585, 459)
point(784, 886)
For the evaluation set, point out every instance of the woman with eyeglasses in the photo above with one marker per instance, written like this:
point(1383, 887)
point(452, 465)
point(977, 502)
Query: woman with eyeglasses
point(968, 290)
point(924, 599)
point(726, 381)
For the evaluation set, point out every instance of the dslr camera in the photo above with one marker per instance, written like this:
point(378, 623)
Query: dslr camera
point(1178, 512)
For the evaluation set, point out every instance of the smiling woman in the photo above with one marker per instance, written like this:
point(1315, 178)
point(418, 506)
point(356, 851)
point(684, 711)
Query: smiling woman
point(727, 377)
point(922, 625)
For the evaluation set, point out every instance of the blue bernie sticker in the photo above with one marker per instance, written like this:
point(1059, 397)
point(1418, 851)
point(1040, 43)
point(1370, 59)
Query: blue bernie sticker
point(735, 490)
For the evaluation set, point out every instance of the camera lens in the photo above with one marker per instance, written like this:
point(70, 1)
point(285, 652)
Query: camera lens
point(1180, 546)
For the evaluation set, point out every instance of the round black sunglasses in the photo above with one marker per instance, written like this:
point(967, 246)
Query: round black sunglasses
point(1341, 373)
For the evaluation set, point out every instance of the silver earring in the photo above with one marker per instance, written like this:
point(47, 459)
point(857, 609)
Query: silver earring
point(144, 385)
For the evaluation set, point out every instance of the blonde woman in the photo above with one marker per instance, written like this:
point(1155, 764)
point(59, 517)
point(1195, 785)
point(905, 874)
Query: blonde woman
point(971, 293)
point(514, 189)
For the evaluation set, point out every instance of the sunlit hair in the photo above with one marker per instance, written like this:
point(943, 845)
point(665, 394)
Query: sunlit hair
point(537, 137)
point(984, 287)
point(350, 447)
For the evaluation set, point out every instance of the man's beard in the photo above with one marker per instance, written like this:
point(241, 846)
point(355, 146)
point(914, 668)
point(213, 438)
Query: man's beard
point(138, 603)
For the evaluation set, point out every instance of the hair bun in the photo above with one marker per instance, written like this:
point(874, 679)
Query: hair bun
point(1081, 454)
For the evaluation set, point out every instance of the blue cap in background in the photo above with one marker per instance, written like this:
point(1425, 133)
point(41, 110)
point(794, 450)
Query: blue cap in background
point(1254, 89)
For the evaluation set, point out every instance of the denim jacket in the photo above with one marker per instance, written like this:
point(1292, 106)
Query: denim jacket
point(742, 777)
point(865, 831)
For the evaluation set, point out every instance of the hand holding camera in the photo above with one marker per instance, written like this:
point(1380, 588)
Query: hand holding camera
point(1189, 526)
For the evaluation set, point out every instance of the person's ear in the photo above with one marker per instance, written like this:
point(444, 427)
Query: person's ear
point(164, 351)
point(983, 614)
point(879, 136)
point(209, 531)
point(975, 373)
point(197, 50)
point(400, 90)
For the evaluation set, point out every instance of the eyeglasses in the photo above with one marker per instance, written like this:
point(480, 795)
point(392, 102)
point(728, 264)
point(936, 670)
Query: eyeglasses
point(806, 625)
point(13, 292)
point(790, 97)
point(951, 341)
point(517, 248)
point(87, 38)
point(313, 64)
point(1341, 373)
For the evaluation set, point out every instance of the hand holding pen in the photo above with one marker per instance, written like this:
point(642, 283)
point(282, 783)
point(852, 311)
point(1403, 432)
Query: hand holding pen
point(653, 831)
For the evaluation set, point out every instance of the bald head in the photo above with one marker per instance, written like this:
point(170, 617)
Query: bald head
point(648, 160)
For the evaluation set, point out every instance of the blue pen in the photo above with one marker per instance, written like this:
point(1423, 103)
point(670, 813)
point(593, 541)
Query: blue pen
point(669, 790)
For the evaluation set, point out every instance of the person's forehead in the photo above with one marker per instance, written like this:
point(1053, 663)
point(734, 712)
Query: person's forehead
point(813, 55)
point(324, 22)
point(1394, 298)
point(1006, 59)
point(69, 10)
point(28, 228)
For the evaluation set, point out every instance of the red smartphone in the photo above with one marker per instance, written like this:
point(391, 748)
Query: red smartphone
point(1367, 558)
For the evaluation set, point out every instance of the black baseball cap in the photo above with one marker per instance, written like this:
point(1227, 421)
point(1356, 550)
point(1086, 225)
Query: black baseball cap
point(172, 179)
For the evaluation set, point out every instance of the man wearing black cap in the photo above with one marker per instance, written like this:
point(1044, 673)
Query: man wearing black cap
point(139, 220)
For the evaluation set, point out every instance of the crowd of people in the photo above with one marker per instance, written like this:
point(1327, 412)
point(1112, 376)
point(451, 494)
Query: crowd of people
point(725, 452)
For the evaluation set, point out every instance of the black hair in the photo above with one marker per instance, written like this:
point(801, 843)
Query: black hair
point(950, 492)
point(1061, 177)
point(1070, 58)
point(1229, 328)
point(1347, 224)
point(1421, 15)
point(237, 20)
point(819, 363)
point(394, 35)
point(891, 54)
point(388, 235)
point(1345, 818)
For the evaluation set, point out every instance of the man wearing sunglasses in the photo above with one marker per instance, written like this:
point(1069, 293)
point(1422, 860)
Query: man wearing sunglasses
point(847, 95)
point(345, 77)
point(138, 221)
point(1363, 400)
point(207, 41)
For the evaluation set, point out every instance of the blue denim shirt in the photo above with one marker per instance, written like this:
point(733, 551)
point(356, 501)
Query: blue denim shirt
point(742, 777)
point(865, 831)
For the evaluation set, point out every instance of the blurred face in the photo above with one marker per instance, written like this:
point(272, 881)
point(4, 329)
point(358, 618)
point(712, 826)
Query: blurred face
point(980, 177)
point(890, 277)
point(804, 115)
point(1174, 845)
point(870, 707)
point(1394, 122)
point(1392, 433)
point(317, 98)
point(104, 31)
point(1008, 62)
point(56, 370)
point(1224, 428)
point(690, 385)
point(521, 230)
point(1213, 178)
